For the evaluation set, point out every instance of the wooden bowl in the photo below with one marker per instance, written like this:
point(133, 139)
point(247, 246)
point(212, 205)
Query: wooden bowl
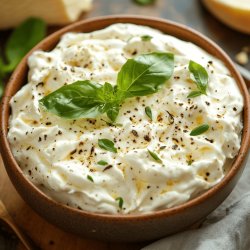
point(128, 228)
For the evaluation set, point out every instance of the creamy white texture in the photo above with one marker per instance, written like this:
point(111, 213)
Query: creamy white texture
point(57, 154)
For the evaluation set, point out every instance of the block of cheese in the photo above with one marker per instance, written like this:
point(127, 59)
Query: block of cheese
point(13, 12)
point(234, 13)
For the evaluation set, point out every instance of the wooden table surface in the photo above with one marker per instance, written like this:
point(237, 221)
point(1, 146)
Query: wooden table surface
point(188, 12)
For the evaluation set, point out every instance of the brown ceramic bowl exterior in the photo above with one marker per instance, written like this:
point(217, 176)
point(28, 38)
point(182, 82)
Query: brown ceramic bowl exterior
point(124, 227)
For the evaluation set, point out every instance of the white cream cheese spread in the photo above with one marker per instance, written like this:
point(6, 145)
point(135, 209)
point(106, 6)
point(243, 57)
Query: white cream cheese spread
point(61, 156)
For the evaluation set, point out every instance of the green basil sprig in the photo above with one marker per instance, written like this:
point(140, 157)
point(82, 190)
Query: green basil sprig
point(199, 130)
point(201, 79)
point(140, 76)
point(20, 42)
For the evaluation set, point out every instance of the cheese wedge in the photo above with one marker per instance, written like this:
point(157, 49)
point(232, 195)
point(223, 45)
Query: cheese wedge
point(234, 13)
point(13, 12)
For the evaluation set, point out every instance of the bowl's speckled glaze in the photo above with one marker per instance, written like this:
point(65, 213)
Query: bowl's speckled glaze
point(124, 227)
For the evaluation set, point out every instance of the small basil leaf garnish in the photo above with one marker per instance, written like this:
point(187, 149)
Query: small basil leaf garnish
point(146, 38)
point(90, 178)
point(113, 124)
point(148, 112)
point(199, 130)
point(194, 94)
point(200, 76)
point(107, 145)
point(155, 156)
point(102, 163)
point(113, 112)
point(120, 202)
point(144, 74)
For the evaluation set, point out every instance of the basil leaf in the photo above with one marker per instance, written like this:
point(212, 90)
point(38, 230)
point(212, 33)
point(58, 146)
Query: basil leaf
point(155, 156)
point(90, 178)
point(113, 112)
point(102, 163)
point(120, 201)
point(200, 75)
point(106, 93)
point(113, 124)
point(148, 112)
point(194, 94)
point(144, 2)
point(107, 145)
point(144, 74)
point(199, 130)
point(77, 100)
point(23, 39)
point(146, 38)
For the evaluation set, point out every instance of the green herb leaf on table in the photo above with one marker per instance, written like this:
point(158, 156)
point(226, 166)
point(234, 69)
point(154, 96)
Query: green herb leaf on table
point(199, 130)
point(200, 76)
point(120, 202)
point(90, 178)
point(108, 145)
point(148, 112)
point(146, 38)
point(155, 156)
point(141, 76)
point(23, 39)
point(102, 163)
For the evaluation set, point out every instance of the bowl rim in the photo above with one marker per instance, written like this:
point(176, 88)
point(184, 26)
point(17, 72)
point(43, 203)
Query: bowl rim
point(76, 27)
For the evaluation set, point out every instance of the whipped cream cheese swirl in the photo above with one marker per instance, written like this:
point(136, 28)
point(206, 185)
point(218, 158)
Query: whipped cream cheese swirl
point(61, 156)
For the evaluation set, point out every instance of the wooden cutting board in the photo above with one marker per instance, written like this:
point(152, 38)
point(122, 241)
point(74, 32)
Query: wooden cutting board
point(45, 235)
